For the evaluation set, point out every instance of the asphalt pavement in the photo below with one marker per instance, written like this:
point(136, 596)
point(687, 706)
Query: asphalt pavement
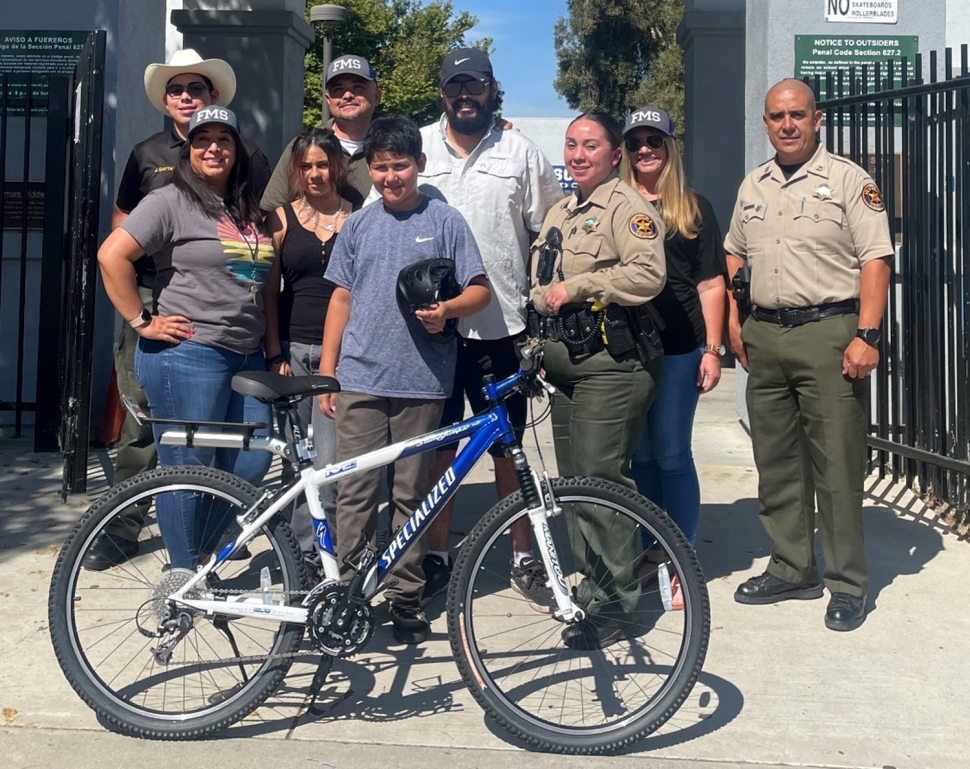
point(778, 689)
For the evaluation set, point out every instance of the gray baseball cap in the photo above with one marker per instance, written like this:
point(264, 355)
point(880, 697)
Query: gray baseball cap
point(650, 117)
point(350, 65)
point(213, 114)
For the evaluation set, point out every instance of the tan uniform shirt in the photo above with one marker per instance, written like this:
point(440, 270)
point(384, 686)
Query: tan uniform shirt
point(612, 248)
point(807, 238)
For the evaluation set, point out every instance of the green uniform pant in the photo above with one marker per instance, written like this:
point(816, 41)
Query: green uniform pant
point(136, 448)
point(808, 432)
point(597, 416)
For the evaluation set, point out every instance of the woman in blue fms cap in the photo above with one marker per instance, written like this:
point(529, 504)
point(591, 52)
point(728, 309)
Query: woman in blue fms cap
point(212, 254)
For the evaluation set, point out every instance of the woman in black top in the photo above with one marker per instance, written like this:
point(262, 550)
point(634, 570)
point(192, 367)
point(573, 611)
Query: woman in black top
point(692, 307)
point(297, 295)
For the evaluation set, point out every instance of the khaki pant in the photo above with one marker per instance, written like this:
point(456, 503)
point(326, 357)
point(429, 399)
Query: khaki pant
point(366, 423)
point(808, 432)
point(597, 416)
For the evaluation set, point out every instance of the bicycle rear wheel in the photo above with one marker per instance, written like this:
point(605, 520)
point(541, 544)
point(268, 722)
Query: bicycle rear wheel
point(514, 658)
point(104, 624)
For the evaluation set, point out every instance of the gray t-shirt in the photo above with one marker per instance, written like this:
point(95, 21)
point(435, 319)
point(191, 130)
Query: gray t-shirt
point(208, 270)
point(379, 355)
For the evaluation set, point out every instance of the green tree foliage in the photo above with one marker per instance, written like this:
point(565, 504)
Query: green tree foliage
point(405, 41)
point(617, 55)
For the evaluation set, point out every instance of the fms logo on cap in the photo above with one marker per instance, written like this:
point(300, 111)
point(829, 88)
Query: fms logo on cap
point(650, 116)
point(347, 63)
point(212, 113)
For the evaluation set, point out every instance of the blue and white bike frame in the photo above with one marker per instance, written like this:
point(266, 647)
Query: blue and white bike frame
point(484, 430)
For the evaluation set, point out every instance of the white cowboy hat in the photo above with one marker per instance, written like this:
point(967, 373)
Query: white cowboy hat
point(218, 71)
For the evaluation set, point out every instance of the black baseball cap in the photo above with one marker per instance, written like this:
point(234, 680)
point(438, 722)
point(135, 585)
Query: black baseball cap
point(349, 64)
point(650, 117)
point(213, 114)
point(466, 61)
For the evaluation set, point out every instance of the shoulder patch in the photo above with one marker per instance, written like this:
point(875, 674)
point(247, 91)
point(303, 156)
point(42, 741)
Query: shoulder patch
point(642, 226)
point(872, 197)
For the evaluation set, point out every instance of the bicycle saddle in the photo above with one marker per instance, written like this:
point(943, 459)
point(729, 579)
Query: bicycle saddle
point(269, 386)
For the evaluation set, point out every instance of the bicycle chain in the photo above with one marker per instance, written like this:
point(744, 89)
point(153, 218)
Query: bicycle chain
point(253, 657)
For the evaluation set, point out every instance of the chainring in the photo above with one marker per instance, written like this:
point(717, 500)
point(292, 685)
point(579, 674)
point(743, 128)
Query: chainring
point(322, 609)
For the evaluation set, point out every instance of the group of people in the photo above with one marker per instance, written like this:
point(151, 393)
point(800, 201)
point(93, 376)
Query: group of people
point(219, 267)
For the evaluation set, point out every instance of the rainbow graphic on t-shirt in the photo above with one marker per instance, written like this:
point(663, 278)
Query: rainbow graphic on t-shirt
point(252, 253)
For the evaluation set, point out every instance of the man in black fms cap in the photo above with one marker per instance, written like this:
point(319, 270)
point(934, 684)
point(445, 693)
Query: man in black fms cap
point(352, 93)
point(503, 185)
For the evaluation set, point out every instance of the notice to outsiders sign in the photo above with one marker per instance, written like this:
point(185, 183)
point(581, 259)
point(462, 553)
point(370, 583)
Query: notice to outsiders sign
point(862, 11)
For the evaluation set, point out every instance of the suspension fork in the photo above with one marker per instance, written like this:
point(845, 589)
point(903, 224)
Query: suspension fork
point(541, 505)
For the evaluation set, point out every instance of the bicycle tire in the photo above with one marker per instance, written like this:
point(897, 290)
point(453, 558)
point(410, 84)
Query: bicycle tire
point(101, 646)
point(499, 640)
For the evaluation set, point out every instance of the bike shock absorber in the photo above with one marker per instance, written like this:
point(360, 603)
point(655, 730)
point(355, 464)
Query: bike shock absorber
point(526, 481)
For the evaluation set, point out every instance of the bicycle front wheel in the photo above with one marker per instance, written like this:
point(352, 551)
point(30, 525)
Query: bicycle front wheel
point(105, 619)
point(526, 667)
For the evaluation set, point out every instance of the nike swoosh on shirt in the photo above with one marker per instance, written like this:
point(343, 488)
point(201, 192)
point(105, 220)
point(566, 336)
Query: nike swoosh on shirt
point(459, 61)
point(422, 240)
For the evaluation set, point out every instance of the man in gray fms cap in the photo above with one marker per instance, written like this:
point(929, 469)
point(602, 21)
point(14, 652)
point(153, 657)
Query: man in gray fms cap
point(352, 93)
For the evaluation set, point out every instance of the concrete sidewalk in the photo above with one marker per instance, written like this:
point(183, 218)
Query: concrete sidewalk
point(778, 689)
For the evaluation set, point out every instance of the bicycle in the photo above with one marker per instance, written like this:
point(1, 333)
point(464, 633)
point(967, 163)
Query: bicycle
point(166, 655)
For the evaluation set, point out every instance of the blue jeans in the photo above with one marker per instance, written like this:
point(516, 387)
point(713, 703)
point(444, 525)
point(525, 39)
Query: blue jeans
point(193, 381)
point(663, 464)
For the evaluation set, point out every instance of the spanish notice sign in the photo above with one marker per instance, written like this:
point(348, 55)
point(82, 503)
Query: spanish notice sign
point(32, 55)
point(861, 11)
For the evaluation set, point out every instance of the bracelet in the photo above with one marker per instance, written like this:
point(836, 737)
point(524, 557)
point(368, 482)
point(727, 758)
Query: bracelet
point(278, 358)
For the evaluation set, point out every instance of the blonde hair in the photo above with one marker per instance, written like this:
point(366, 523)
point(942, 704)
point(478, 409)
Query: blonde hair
point(677, 202)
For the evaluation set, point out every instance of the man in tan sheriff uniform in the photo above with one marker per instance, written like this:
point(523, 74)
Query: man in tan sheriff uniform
point(813, 229)
point(612, 254)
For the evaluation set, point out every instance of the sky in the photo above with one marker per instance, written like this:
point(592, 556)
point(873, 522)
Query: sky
point(524, 61)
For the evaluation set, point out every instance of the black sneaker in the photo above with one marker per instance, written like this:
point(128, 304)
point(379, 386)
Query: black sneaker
point(530, 580)
point(410, 625)
point(108, 551)
point(436, 576)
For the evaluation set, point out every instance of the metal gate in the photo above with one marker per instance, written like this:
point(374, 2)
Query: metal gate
point(914, 137)
point(85, 114)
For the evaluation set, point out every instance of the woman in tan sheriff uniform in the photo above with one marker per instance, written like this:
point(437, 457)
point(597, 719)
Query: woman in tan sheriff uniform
point(612, 261)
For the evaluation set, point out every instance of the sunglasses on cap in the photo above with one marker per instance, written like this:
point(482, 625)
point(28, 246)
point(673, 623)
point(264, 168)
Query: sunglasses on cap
point(453, 88)
point(653, 141)
point(196, 89)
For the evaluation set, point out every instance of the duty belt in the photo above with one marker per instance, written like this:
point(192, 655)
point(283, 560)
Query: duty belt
point(789, 317)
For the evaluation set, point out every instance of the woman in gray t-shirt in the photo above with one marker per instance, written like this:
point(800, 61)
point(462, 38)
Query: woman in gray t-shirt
point(206, 235)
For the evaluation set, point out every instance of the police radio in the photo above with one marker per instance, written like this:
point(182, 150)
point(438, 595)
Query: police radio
point(548, 255)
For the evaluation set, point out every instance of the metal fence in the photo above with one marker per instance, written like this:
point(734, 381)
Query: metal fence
point(914, 138)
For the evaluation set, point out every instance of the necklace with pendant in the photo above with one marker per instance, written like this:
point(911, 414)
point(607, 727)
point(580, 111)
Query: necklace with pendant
point(253, 249)
point(315, 216)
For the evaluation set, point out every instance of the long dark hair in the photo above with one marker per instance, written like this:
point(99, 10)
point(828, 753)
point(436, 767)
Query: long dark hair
point(326, 140)
point(239, 202)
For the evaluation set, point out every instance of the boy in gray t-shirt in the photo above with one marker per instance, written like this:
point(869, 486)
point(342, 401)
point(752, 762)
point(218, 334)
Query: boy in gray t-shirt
point(393, 382)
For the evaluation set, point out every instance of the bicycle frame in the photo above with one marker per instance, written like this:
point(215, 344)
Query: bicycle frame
point(484, 430)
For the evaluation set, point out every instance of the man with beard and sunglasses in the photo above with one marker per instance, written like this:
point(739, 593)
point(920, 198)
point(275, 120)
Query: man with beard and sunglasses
point(177, 89)
point(503, 185)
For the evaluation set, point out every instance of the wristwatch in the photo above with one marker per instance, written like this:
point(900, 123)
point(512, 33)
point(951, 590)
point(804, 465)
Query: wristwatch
point(870, 336)
point(715, 349)
point(142, 320)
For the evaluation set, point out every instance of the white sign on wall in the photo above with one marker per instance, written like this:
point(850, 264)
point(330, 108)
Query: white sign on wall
point(863, 11)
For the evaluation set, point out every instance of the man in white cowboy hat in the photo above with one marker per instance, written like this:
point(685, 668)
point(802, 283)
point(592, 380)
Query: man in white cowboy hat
point(177, 89)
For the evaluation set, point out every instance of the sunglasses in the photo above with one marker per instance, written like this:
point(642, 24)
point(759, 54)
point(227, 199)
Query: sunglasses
point(453, 88)
point(653, 141)
point(196, 90)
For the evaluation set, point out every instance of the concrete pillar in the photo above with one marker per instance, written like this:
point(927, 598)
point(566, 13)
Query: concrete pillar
point(265, 42)
point(712, 35)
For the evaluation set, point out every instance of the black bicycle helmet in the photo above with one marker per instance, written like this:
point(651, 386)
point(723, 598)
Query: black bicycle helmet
point(423, 284)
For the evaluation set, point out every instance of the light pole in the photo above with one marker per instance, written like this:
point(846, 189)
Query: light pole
point(329, 17)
